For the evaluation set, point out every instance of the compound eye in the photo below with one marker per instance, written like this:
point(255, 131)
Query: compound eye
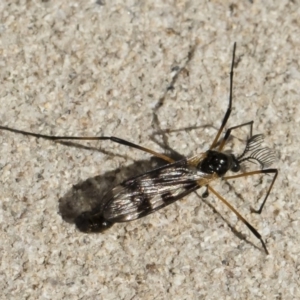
point(235, 168)
point(235, 165)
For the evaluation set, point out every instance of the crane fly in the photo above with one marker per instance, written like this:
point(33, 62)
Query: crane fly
point(144, 194)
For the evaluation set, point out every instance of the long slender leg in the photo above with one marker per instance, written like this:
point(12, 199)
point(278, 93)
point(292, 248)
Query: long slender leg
point(97, 138)
point(251, 228)
point(228, 112)
point(228, 132)
point(266, 171)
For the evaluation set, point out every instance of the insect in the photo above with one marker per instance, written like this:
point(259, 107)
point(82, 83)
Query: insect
point(144, 194)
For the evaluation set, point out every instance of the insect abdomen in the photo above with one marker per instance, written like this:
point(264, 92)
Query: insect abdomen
point(91, 222)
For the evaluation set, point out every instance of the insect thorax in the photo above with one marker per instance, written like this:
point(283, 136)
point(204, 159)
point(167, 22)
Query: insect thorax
point(218, 162)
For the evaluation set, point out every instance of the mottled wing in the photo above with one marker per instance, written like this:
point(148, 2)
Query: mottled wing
point(144, 194)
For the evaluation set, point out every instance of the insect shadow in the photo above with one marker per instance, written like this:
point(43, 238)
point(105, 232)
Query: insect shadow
point(87, 194)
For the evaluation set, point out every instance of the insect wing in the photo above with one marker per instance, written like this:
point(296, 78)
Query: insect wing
point(144, 194)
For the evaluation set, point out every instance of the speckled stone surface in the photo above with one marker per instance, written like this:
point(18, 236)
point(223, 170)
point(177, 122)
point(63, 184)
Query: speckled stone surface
point(101, 68)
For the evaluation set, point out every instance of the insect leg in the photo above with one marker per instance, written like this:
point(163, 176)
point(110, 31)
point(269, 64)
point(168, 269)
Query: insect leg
point(228, 112)
point(132, 145)
point(251, 228)
point(97, 138)
point(266, 171)
point(228, 132)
